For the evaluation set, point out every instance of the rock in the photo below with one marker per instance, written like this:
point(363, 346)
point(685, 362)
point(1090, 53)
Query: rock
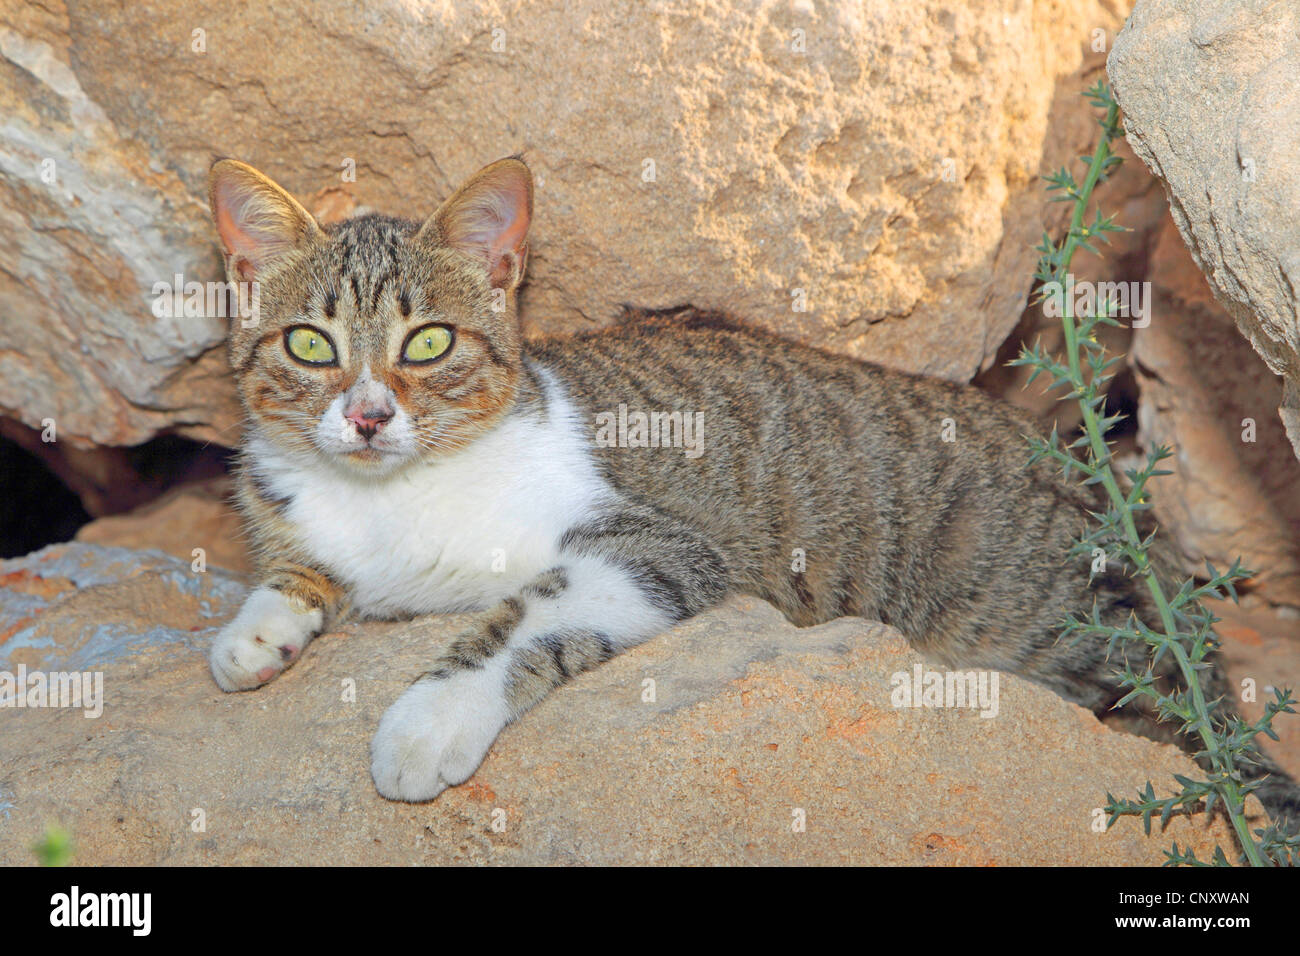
point(1211, 101)
point(1235, 487)
point(89, 221)
point(1259, 644)
point(882, 159)
point(77, 606)
point(748, 723)
point(197, 515)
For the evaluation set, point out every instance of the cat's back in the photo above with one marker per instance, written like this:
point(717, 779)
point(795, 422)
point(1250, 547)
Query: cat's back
point(788, 456)
point(760, 397)
point(696, 356)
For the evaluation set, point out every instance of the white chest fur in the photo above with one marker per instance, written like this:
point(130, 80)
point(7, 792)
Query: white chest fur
point(453, 535)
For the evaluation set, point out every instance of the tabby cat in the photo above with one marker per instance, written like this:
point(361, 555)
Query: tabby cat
point(408, 452)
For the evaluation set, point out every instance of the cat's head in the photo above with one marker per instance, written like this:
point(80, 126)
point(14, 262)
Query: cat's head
point(377, 341)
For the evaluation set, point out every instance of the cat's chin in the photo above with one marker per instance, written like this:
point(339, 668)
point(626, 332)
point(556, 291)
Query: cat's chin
point(372, 461)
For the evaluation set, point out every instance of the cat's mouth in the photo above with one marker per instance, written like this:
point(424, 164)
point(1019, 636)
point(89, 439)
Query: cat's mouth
point(376, 454)
point(371, 454)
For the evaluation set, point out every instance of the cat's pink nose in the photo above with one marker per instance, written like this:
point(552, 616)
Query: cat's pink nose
point(368, 420)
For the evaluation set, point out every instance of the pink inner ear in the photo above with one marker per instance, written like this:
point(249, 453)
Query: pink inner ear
point(235, 239)
point(506, 250)
point(515, 209)
point(250, 226)
point(493, 224)
point(500, 228)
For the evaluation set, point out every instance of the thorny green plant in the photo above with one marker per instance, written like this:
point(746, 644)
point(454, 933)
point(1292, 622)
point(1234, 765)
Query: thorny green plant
point(1186, 631)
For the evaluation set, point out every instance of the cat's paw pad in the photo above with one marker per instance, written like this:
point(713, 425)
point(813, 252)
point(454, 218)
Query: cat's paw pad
point(265, 637)
point(436, 735)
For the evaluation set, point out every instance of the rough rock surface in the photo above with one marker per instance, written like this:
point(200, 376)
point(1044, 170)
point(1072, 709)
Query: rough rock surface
point(1211, 97)
point(881, 157)
point(1235, 487)
point(196, 515)
point(1259, 645)
point(750, 721)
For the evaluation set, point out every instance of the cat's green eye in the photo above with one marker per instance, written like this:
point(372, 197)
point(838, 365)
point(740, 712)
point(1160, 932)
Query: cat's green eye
point(310, 345)
point(427, 344)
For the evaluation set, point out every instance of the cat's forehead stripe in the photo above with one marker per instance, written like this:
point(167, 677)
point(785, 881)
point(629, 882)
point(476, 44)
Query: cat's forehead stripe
point(380, 284)
point(367, 256)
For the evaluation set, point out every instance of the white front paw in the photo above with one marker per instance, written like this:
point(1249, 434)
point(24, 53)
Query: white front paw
point(436, 734)
point(266, 636)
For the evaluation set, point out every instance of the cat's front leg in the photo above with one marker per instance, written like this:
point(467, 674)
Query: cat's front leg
point(271, 630)
point(624, 579)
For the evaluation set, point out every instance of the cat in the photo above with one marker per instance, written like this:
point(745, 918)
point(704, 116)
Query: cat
point(408, 452)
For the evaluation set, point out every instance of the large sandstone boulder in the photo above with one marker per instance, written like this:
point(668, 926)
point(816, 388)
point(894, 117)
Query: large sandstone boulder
point(733, 738)
point(881, 158)
point(1211, 99)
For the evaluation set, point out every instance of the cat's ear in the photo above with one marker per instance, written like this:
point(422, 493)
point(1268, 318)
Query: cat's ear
point(258, 222)
point(488, 218)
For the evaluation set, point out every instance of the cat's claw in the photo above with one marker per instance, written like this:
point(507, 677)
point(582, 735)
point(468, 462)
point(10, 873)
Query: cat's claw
point(265, 637)
point(436, 734)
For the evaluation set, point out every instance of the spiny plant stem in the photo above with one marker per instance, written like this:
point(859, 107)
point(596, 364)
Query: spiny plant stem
point(1119, 532)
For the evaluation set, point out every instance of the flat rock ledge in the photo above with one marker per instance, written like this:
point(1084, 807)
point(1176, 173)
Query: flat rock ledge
point(736, 738)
